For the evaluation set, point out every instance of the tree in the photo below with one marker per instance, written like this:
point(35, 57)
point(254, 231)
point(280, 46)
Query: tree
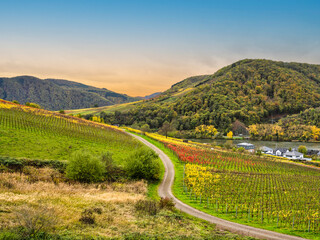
point(166, 127)
point(97, 119)
point(15, 101)
point(302, 149)
point(315, 132)
point(62, 111)
point(206, 130)
point(145, 128)
point(230, 134)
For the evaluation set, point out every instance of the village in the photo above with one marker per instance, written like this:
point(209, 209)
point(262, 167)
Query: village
point(289, 153)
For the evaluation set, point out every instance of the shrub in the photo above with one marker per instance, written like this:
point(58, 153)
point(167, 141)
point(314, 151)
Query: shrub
point(259, 153)
point(241, 149)
point(166, 203)
point(34, 105)
point(34, 220)
point(112, 172)
point(143, 164)
point(149, 207)
point(87, 216)
point(84, 167)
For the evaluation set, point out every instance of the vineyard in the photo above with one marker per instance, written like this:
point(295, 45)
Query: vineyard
point(248, 188)
point(36, 133)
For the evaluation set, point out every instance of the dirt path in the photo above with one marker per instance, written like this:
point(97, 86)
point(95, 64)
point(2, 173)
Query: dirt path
point(165, 191)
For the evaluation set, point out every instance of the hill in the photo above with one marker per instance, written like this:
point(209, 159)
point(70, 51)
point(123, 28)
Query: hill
point(250, 91)
point(56, 94)
point(107, 109)
point(40, 134)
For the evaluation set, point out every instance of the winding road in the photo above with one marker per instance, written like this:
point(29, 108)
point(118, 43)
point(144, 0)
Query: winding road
point(165, 191)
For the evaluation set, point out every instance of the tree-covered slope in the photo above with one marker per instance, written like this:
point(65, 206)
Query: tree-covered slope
point(251, 91)
point(54, 94)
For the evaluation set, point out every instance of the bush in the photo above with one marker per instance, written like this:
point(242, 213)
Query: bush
point(143, 164)
point(112, 171)
point(34, 220)
point(149, 207)
point(34, 105)
point(84, 167)
point(166, 203)
point(87, 216)
point(241, 149)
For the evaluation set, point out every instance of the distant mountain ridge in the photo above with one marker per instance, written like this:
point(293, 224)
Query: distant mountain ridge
point(250, 91)
point(56, 94)
point(153, 95)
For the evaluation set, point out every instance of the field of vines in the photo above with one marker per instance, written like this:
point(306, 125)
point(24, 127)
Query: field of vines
point(250, 188)
point(25, 124)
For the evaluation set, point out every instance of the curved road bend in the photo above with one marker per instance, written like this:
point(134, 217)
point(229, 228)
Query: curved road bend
point(165, 191)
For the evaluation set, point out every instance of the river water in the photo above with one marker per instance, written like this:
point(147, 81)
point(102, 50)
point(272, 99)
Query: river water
point(258, 144)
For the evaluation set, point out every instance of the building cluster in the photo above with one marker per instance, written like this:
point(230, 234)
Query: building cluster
point(280, 152)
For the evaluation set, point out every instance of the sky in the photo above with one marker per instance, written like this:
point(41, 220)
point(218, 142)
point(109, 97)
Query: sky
point(139, 47)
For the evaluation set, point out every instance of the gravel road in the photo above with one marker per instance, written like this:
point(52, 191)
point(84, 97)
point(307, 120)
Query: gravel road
point(165, 191)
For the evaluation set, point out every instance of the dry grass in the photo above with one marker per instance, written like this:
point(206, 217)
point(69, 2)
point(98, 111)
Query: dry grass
point(67, 199)
point(36, 189)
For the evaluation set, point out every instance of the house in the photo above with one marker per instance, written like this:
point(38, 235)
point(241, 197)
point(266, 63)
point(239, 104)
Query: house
point(266, 150)
point(293, 155)
point(247, 146)
point(280, 151)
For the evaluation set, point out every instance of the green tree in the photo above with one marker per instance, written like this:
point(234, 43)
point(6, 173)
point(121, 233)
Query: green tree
point(166, 127)
point(145, 128)
point(85, 167)
point(302, 149)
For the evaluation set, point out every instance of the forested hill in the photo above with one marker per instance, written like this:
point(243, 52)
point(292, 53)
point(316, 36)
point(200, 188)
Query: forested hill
point(251, 91)
point(54, 94)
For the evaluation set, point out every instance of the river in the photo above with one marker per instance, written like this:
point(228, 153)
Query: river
point(258, 144)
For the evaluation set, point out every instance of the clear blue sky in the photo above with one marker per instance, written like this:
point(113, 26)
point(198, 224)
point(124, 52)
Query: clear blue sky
point(139, 47)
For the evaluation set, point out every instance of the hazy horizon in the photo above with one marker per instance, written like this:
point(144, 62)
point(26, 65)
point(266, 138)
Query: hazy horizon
point(142, 47)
